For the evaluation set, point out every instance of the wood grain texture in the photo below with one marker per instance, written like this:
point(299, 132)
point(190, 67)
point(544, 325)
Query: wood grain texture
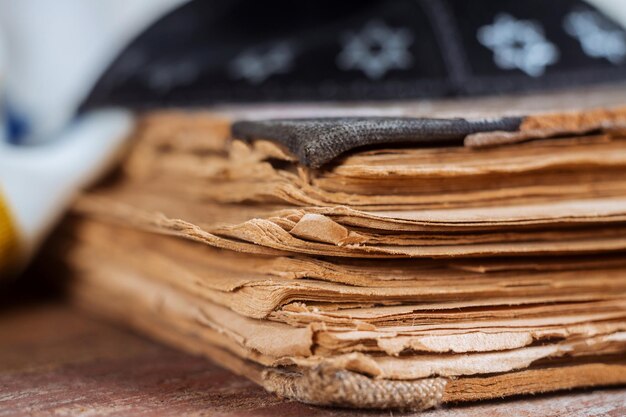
point(55, 361)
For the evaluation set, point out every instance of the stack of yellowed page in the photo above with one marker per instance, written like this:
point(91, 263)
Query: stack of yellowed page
point(384, 274)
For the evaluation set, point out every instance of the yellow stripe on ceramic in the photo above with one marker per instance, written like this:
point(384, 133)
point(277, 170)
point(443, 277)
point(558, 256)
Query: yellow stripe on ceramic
point(8, 239)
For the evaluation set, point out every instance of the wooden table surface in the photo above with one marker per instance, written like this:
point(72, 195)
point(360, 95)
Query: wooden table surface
point(56, 361)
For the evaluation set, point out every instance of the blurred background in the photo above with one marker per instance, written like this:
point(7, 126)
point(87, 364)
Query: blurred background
point(58, 56)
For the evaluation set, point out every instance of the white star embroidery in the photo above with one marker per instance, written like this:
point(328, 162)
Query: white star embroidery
point(518, 44)
point(164, 78)
point(256, 66)
point(595, 39)
point(376, 49)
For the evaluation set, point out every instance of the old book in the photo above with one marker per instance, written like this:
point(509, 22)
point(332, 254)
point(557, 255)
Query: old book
point(366, 262)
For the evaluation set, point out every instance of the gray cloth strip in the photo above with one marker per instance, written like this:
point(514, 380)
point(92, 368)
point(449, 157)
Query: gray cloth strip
point(316, 142)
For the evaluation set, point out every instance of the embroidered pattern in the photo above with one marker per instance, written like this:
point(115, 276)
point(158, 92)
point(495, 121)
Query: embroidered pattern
point(255, 66)
point(376, 49)
point(518, 44)
point(164, 78)
point(597, 40)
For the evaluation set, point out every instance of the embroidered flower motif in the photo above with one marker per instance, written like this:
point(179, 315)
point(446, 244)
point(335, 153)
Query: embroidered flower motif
point(376, 49)
point(256, 66)
point(596, 38)
point(518, 44)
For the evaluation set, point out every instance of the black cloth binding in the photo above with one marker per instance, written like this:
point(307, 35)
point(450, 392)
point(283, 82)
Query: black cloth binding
point(316, 142)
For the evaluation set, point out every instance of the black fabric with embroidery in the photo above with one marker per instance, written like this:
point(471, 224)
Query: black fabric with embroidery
point(214, 51)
